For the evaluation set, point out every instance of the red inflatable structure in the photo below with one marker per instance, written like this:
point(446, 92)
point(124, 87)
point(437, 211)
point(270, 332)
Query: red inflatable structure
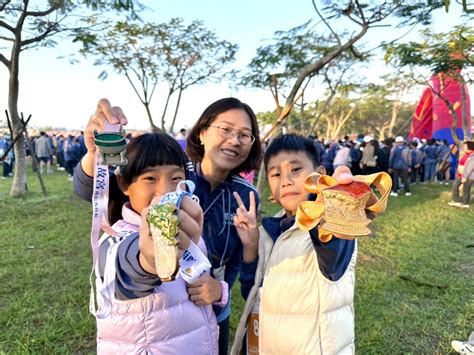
point(432, 118)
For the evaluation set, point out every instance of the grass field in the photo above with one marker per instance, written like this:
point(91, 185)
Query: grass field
point(414, 291)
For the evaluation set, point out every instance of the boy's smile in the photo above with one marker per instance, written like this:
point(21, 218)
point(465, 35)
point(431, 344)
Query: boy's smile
point(286, 174)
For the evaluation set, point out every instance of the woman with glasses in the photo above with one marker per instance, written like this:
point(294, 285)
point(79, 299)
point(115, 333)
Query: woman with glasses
point(223, 143)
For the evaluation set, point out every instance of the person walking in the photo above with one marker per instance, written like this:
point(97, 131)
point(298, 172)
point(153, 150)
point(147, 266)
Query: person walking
point(43, 152)
point(399, 166)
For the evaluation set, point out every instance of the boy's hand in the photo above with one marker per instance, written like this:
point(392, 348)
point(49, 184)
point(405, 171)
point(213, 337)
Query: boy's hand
point(190, 227)
point(206, 290)
point(246, 224)
point(343, 175)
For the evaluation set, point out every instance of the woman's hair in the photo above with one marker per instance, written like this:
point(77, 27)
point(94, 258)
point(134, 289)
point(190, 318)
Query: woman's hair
point(148, 150)
point(195, 149)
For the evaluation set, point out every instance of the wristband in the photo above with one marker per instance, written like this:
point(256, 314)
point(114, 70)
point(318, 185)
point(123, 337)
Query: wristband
point(224, 295)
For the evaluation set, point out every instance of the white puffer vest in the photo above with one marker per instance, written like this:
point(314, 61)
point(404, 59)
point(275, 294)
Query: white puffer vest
point(300, 310)
point(165, 322)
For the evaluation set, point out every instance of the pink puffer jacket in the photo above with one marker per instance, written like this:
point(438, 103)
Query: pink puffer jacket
point(165, 322)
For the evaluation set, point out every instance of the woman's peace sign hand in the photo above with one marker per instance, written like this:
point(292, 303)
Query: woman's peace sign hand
point(246, 224)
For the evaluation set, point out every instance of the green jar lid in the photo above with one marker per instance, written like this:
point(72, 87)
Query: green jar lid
point(109, 139)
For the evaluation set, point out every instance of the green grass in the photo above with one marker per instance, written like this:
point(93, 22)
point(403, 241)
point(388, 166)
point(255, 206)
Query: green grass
point(45, 261)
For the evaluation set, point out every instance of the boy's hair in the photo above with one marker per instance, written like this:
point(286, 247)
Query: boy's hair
point(195, 149)
point(291, 143)
point(470, 145)
point(148, 150)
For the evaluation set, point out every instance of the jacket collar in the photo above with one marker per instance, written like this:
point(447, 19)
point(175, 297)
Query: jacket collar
point(278, 224)
point(130, 216)
point(202, 180)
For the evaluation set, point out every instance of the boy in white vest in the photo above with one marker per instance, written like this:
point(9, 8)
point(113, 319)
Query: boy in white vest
point(301, 300)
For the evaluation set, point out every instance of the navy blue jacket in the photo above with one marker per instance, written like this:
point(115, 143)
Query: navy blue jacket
point(400, 157)
point(430, 154)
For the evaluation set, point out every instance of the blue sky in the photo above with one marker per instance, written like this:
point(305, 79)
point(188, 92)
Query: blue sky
point(58, 94)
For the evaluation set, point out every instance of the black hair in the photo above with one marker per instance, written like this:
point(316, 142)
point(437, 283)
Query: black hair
point(195, 150)
point(291, 143)
point(148, 150)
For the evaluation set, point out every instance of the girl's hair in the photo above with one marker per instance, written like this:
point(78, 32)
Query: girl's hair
point(195, 149)
point(148, 150)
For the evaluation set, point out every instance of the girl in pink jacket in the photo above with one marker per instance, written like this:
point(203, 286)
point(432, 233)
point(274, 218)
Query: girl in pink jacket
point(139, 314)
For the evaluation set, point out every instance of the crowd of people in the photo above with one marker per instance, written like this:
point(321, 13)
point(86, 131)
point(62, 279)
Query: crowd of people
point(418, 161)
point(64, 150)
point(288, 276)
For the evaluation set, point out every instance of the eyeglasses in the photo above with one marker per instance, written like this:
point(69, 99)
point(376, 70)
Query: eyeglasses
point(229, 133)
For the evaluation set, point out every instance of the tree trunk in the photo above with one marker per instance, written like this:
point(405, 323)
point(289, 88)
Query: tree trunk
point(393, 120)
point(342, 122)
point(465, 127)
point(176, 110)
point(18, 188)
point(260, 179)
point(165, 109)
point(150, 119)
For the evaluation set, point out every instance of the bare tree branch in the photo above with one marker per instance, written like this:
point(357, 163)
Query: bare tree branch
point(315, 67)
point(4, 4)
point(326, 23)
point(329, 99)
point(49, 32)
point(43, 13)
point(361, 11)
point(7, 26)
point(7, 39)
point(5, 61)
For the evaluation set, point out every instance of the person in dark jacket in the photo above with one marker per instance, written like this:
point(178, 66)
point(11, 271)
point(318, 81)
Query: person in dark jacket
point(383, 155)
point(399, 166)
point(416, 160)
point(443, 153)
point(430, 160)
point(223, 142)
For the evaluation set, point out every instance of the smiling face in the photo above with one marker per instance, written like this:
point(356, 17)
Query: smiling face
point(221, 155)
point(154, 181)
point(286, 174)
